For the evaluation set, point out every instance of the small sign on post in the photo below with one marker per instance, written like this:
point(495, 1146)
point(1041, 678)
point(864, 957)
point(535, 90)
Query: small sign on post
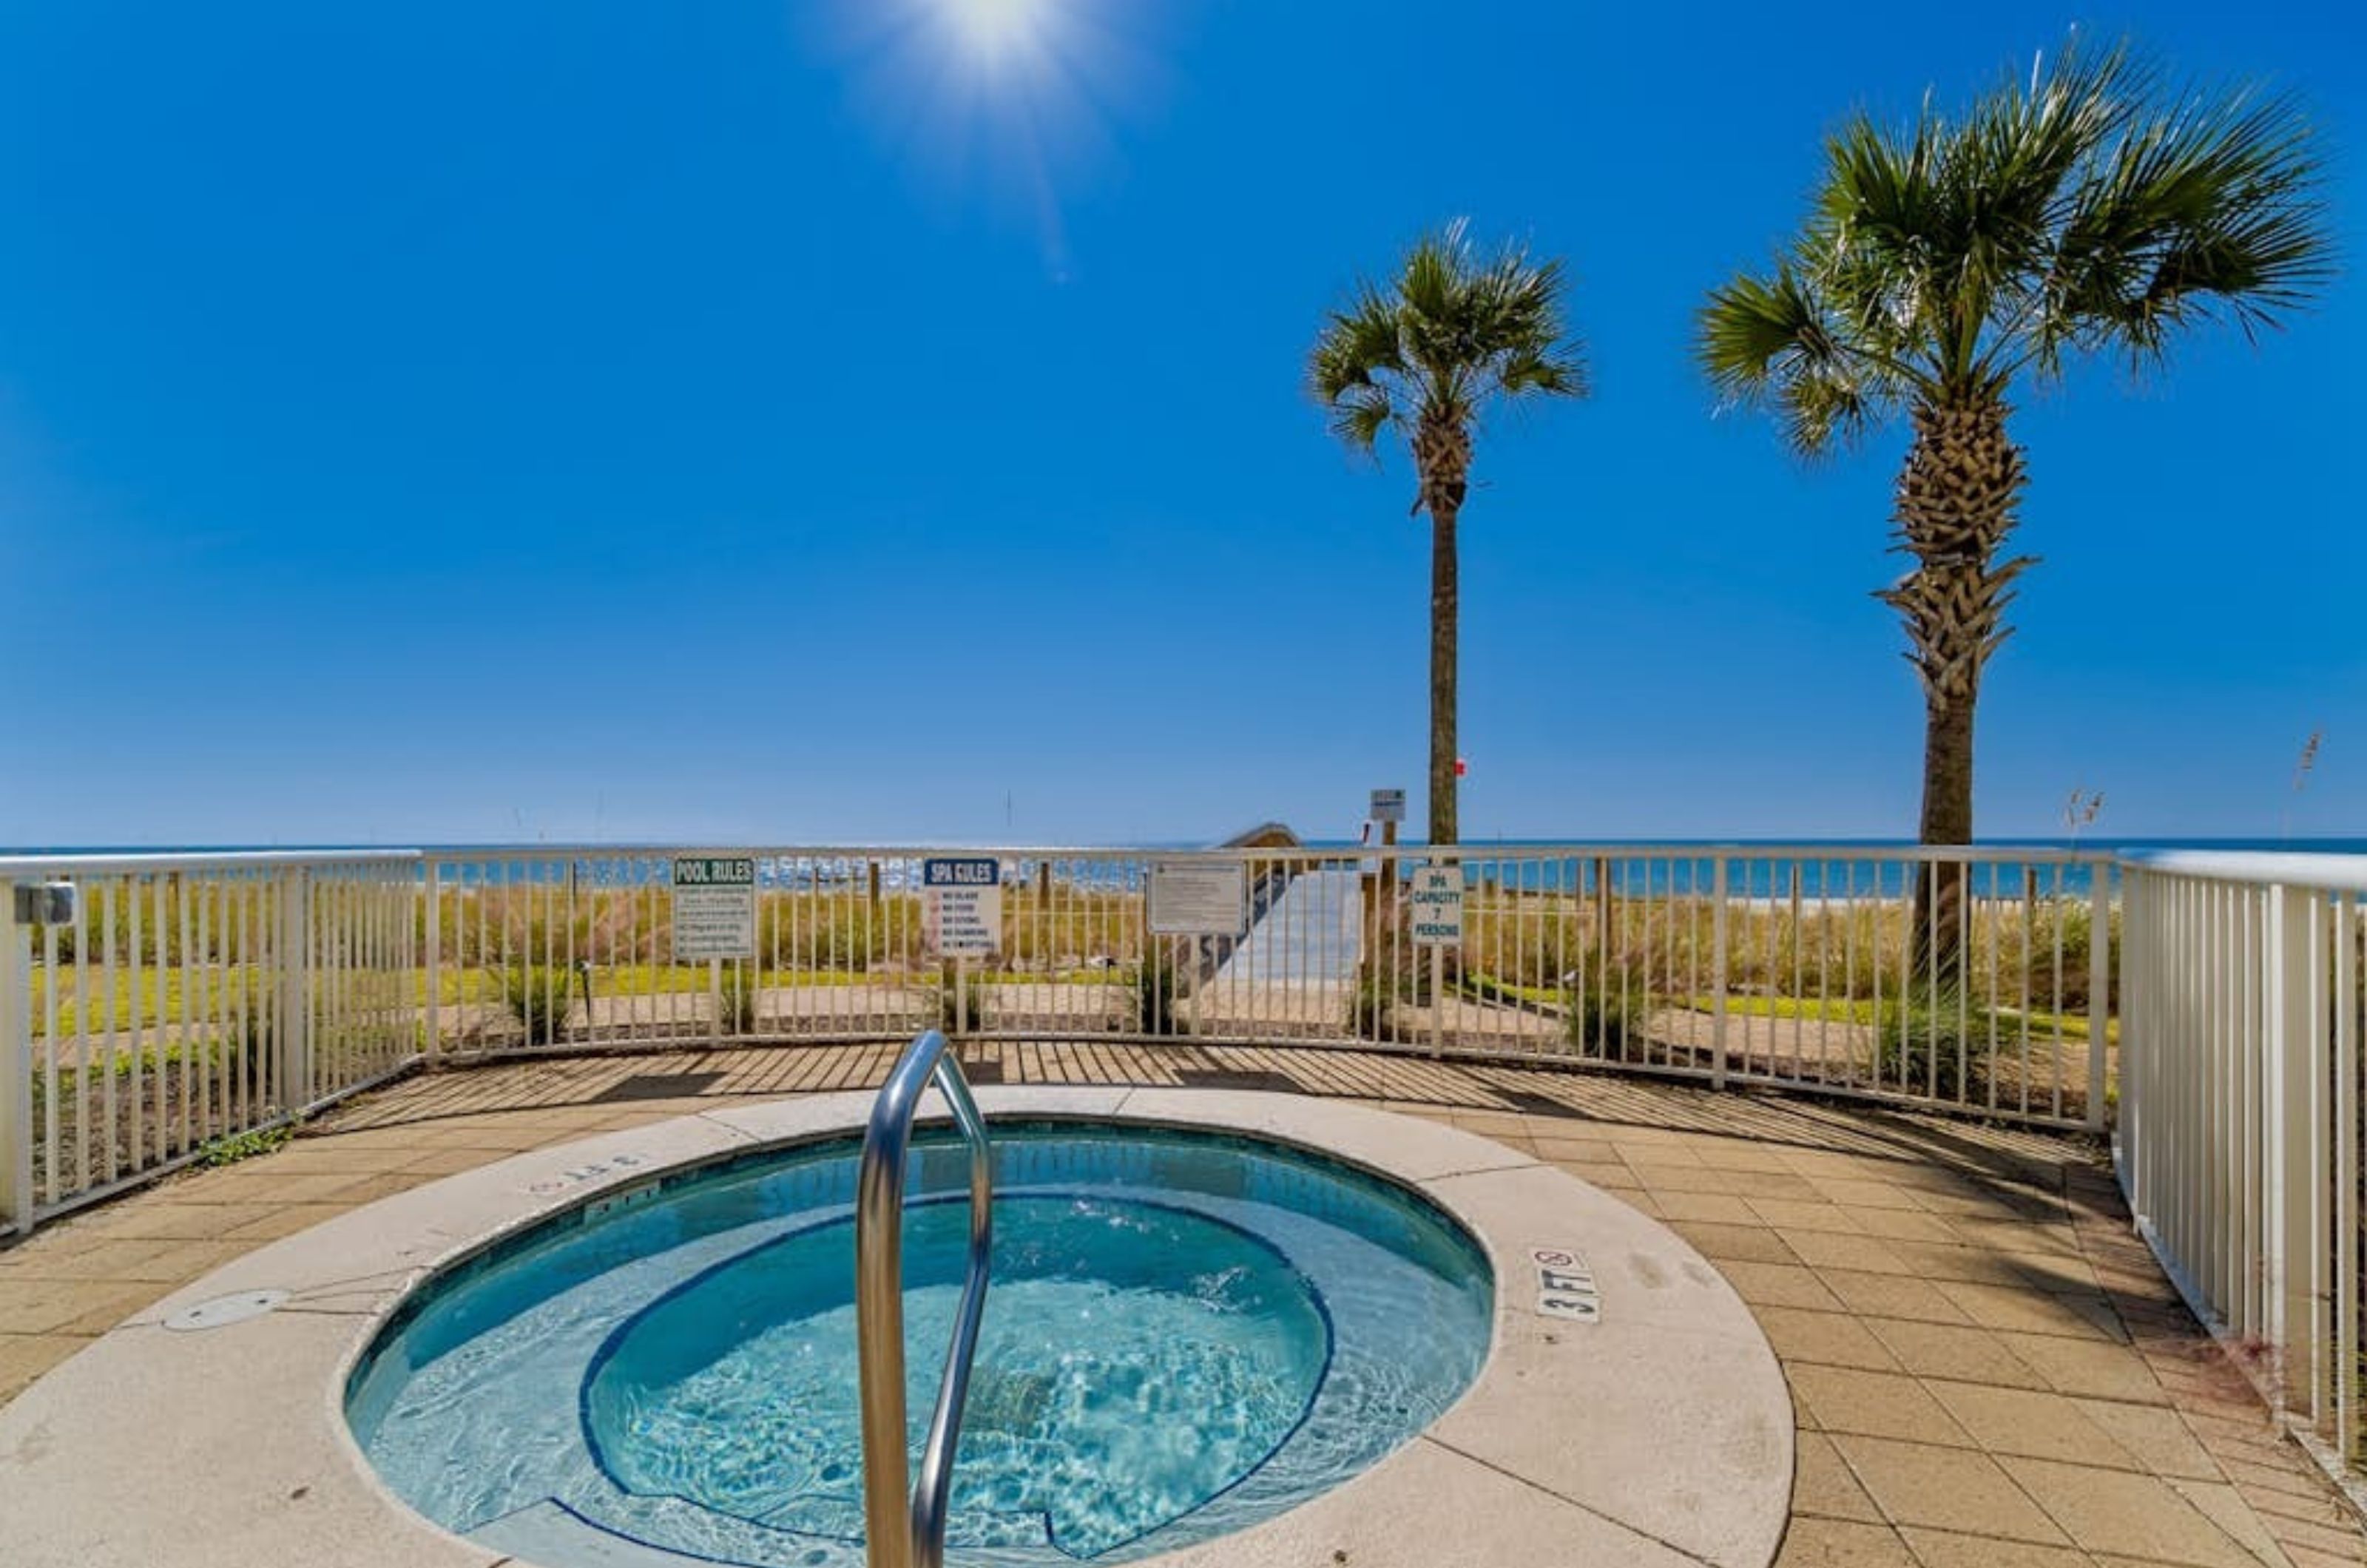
point(714, 907)
point(1198, 898)
point(1437, 896)
point(1388, 805)
point(962, 904)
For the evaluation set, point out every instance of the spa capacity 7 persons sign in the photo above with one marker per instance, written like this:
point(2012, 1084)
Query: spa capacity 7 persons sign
point(1438, 906)
point(714, 907)
point(961, 900)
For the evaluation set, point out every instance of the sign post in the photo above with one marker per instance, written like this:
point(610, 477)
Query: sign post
point(714, 918)
point(962, 917)
point(1437, 896)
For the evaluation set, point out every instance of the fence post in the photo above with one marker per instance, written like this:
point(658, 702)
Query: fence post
point(2296, 1071)
point(16, 1070)
point(2100, 985)
point(294, 949)
point(434, 1005)
point(1718, 973)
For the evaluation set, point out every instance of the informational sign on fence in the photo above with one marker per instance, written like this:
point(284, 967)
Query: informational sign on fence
point(962, 904)
point(1388, 805)
point(1437, 900)
point(1198, 897)
point(714, 907)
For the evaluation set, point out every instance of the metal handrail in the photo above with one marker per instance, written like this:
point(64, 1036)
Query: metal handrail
point(904, 1521)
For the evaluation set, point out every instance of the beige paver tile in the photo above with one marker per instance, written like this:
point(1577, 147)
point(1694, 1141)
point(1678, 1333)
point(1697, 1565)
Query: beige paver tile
point(182, 1261)
point(1880, 1405)
point(1663, 1177)
point(1715, 1208)
point(1946, 1489)
point(284, 1221)
point(1736, 1243)
point(187, 1221)
point(24, 1357)
point(1954, 1351)
point(2296, 1536)
point(76, 1259)
point(1723, 1155)
point(1823, 1485)
point(70, 1306)
point(2157, 1438)
point(1779, 1284)
point(2225, 1506)
point(1938, 1548)
point(1794, 1213)
point(2036, 1425)
point(2299, 1556)
point(1827, 1338)
point(1891, 1295)
point(2014, 1235)
point(1858, 1193)
point(1592, 1150)
point(2092, 1368)
point(2127, 1514)
point(1900, 1224)
point(451, 1161)
point(1840, 1543)
point(2077, 1314)
point(1858, 1254)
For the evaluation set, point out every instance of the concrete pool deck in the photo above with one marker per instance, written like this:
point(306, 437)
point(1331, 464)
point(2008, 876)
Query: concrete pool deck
point(1983, 1366)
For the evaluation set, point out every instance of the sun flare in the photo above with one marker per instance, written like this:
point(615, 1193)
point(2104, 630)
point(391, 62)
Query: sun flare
point(993, 29)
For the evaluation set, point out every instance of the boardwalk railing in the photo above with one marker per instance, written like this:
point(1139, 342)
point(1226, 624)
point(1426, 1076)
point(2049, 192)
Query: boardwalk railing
point(2239, 1140)
point(190, 1000)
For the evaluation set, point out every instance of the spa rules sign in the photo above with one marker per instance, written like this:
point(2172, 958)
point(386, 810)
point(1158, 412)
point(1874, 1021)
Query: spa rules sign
point(714, 907)
point(962, 910)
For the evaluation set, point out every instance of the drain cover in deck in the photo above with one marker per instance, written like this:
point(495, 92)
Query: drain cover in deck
point(223, 1311)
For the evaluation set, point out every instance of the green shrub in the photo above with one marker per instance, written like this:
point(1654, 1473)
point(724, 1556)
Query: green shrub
point(536, 996)
point(962, 1008)
point(744, 986)
point(1936, 1043)
point(237, 1146)
point(1155, 987)
point(1373, 1008)
point(1606, 1012)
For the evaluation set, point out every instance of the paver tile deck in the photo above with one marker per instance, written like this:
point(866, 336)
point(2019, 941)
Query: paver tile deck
point(1987, 1369)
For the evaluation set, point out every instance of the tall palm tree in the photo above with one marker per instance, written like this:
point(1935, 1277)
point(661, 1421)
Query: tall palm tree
point(1452, 333)
point(2090, 207)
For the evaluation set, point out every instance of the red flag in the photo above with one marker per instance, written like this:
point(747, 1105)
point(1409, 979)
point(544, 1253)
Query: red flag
point(1462, 766)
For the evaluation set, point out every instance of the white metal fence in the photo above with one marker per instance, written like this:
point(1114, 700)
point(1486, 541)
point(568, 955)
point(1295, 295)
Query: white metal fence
point(192, 998)
point(189, 1000)
point(2238, 1142)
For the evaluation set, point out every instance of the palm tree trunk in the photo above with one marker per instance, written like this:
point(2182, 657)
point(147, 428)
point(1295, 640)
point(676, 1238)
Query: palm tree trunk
point(1947, 819)
point(1955, 505)
point(1445, 589)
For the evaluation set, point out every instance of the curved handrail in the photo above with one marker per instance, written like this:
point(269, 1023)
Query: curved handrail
point(904, 1521)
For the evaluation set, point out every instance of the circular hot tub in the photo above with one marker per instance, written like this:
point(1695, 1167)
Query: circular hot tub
point(1187, 1333)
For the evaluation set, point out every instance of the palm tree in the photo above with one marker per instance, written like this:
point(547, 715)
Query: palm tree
point(1452, 333)
point(2088, 208)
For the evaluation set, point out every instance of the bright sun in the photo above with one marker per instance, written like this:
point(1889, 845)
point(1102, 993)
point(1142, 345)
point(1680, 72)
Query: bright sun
point(993, 28)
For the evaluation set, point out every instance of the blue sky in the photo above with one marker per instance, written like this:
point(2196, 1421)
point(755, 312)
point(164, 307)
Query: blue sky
point(734, 421)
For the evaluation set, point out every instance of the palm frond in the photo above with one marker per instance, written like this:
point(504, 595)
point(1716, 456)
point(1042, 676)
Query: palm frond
point(1453, 332)
point(1772, 341)
point(2074, 207)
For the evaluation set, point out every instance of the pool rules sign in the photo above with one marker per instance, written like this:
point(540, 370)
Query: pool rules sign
point(962, 904)
point(714, 907)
